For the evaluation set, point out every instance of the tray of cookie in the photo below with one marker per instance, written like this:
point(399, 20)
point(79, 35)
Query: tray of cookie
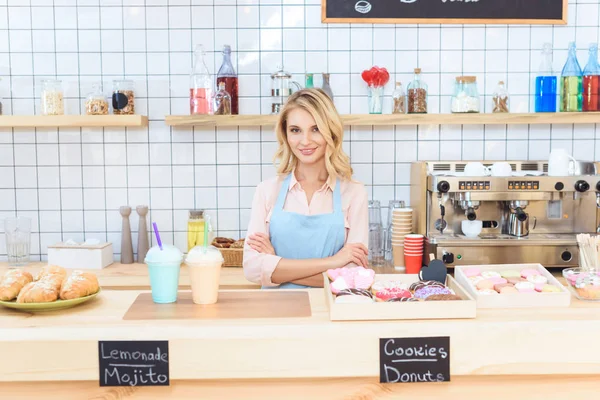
point(231, 249)
point(358, 294)
point(52, 289)
point(512, 286)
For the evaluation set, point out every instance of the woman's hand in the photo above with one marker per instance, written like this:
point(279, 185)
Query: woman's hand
point(261, 243)
point(352, 253)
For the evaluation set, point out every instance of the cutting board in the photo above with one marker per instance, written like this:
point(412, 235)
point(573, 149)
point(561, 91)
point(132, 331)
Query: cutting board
point(231, 305)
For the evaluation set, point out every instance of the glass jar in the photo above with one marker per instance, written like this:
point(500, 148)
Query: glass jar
point(417, 94)
point(222, 101)
point(399, 98)
point(500, 99)
point(96, 103)
point(466, 96)
point(52, 100)
point(123, 99)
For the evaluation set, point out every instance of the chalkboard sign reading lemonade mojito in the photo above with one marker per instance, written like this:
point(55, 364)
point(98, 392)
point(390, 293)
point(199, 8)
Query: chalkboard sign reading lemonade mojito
point(445, 11)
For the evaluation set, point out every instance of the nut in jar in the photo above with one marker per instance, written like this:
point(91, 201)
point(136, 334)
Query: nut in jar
point(123, 99)
point(52, 101)
point(96, 103)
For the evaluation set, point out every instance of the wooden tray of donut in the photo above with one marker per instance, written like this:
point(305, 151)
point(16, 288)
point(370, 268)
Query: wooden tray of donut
point(517, 300)
point(453, 309)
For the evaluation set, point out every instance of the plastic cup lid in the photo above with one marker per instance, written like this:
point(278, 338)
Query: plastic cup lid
point(199, 255)
point(169, 254)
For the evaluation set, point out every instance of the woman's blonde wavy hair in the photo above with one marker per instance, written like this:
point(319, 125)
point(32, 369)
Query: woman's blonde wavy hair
point(319, 105)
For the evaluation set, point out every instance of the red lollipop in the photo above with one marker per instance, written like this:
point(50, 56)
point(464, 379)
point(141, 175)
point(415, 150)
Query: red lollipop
point(368, 76)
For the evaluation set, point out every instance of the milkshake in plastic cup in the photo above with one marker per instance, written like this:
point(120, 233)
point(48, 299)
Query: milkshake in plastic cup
point(205, 270)
point(164, 266)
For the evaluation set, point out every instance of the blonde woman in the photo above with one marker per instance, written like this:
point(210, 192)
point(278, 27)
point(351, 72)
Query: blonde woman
point(312, 216)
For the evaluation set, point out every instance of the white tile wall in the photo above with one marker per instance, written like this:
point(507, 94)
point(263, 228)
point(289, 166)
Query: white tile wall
point(72, 181)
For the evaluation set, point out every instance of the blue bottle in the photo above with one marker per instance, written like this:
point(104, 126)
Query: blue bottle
point(546, 83)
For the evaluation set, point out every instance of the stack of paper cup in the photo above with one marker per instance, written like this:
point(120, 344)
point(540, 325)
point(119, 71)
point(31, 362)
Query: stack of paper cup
point(413, 253)
point(401, 226)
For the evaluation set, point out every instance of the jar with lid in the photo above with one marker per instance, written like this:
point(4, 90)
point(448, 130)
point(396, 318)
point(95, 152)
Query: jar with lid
point(96, 103)
point(195, 230)
point(399, 98)
point(282, 86)
point(417, 94)
point(222, 101)
point(466, 97)
point(52, 99)
point(500, 99)
point(123, 99)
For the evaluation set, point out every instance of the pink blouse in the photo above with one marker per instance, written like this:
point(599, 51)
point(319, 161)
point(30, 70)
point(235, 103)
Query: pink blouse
point(258, 267)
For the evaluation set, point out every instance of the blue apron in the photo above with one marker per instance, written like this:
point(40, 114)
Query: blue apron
point(301, 237)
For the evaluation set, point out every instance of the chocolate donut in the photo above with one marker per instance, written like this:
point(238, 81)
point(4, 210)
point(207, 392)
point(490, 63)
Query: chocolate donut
point(401, 299)
point(421, 284)
point(442, 297)
point(355, 292)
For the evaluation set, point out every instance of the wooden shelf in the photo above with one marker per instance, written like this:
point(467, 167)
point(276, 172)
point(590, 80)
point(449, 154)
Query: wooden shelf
point(62, 121)
point(395, 119)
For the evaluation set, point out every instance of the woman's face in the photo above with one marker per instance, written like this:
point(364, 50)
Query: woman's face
point(304, 138)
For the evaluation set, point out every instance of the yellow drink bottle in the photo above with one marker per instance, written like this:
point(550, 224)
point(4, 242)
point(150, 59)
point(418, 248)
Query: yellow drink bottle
point(195, 231)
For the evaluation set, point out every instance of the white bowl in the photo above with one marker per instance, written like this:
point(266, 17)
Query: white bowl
point(471, 229)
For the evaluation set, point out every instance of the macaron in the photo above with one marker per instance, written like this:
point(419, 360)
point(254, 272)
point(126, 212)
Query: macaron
point(550, 289)
point(469, 272)
point(497, 280)
point(528, 272)
point(510, 273)
point(508, 290)
point(514, 281)
point(525, 287)
point(485, 284)
point(535, 279)
point(499, 286)
point(490, 274)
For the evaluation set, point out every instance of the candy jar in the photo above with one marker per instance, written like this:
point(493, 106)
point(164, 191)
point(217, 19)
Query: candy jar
point(228, 76)
point(591, 78)
point(95, 102)
point(201, 85)
point(222, 101)
point(545, 83)
point(123, 98)
point(571, 83)
point(399, 98)
point(417, 94)
point(52, 101)
point(500, 99)
point(466, 96)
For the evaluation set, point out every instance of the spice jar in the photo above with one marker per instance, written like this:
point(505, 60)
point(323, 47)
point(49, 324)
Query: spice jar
point(222, 101)
point(52, 101)
point(96, 103)
point(399, 98)
point(417, 94)
point(500, 99)
point(123, 99)
point(466, 97)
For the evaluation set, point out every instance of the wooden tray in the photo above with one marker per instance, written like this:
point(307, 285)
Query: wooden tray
point(518, 300)
point(231, 305)
point(397, 311)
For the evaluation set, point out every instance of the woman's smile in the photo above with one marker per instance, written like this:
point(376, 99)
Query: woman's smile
point(308, 151)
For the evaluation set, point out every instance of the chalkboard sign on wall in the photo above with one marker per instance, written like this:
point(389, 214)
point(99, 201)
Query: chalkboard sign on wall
point(445, 11)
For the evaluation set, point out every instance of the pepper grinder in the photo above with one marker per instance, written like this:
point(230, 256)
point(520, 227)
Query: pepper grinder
point(143, 246)
point(126, 245)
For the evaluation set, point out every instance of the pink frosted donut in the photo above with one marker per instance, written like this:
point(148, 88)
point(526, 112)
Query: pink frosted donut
point(469, 272)
point(527, 272)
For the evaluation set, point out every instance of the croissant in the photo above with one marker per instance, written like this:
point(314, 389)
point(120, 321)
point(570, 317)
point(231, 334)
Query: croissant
point(13, 282)
point(79, 284)
point(51, 270)
point(38, 292)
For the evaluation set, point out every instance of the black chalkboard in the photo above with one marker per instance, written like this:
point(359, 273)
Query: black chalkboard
point(134, 363)
point(446, 11)
point(419, 359)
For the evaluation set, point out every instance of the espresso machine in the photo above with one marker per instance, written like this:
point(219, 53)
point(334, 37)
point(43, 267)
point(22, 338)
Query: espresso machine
point(528, 217)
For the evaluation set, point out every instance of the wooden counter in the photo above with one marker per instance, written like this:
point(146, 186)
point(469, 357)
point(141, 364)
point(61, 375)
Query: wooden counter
point(282, 356)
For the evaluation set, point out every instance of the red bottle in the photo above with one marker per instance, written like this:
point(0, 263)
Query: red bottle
point(228, 76)
point(591, 78)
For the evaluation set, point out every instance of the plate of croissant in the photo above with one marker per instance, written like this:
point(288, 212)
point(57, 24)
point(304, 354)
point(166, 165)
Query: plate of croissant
point(52, 289)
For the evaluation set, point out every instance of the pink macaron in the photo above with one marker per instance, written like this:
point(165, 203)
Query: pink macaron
point(527, 272)
point(469, 272)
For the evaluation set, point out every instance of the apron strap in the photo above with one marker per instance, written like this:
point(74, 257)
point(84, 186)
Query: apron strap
point(283, 193)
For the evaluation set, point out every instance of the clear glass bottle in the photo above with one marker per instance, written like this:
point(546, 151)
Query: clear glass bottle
point(417, 94)
point(376, 256)
point(399, 99)
point(123, 97)
point(466, 96)
point(195, 230)
point(500, 99)
point(546, 83)
point(309, 81)
point(326, 86)
point(228, 76)
point(591, 80)
point(52, 99)
point(95, 102)
point(571, 83)
point(201, 85)
point(222, 101)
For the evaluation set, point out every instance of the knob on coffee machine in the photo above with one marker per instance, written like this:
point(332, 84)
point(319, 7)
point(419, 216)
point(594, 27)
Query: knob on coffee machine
point(444, 186)
point(582, 186)
point(448, 258)
point(598, 187)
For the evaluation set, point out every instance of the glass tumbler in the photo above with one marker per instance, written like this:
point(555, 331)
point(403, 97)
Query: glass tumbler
point(375, 234)
point(17, 231)
point(394, 205)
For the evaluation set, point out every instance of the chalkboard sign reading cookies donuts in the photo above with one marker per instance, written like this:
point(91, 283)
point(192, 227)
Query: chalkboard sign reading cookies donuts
point(445, 11)
point(417, 359)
